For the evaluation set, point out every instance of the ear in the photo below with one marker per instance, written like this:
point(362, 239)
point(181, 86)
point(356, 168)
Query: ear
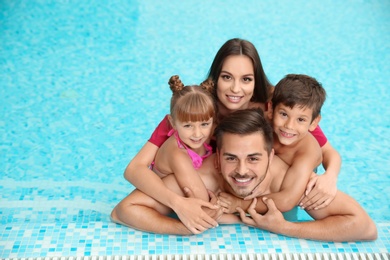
point(171, 121)
point(269, 113)
point(271, 155)
point(315, 122)
point(217, 162)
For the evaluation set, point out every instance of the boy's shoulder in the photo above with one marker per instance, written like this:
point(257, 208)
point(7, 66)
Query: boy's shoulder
point(307, 147)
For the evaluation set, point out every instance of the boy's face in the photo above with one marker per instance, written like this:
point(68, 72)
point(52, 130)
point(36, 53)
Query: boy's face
point(244, 163)
point(292, 124)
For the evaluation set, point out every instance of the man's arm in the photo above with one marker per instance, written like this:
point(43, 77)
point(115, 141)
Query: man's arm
point(343, 220)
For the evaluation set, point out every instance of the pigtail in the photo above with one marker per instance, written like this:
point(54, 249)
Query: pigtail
point(175, 84)
point(208, 85)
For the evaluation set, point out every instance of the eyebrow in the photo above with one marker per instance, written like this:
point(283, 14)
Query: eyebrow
point(248, 155)
point(245, 75)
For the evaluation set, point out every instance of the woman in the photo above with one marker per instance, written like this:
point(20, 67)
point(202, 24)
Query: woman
point(240, 83)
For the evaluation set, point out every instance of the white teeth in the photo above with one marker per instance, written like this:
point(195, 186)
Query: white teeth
point(243, 180)
point(234, 98)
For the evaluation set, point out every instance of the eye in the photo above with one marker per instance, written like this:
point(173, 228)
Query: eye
point(226, 77)
point(205, 124)
point(284, 114)
point(253, 159)
point(248, 79)
point(187, 125)
point(230, 158)
point(301, 120)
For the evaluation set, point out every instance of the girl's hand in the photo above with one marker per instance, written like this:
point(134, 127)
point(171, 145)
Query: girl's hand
point(191, 214)
point(320, 192)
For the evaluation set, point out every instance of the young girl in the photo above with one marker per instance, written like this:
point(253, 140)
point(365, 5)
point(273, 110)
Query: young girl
point(192, 114)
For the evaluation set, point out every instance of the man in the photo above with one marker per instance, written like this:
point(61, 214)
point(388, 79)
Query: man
point(243, 163)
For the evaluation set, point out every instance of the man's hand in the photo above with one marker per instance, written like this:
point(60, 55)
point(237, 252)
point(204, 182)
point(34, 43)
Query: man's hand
point(229, 202)
point(270, 221)
point(320, 192)
point(191, 214)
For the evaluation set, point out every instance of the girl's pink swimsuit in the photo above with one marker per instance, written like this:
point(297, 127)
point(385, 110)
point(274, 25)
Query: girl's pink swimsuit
point(197, 160)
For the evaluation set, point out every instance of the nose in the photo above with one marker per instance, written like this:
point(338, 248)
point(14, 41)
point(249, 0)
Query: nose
point(289, 124)
point(242, 168)
point(235, 87)
point(197, 132)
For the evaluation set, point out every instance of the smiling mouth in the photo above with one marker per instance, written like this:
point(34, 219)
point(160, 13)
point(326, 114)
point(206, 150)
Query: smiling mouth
point(234, 99)
point(242, 181)
point(287, 135)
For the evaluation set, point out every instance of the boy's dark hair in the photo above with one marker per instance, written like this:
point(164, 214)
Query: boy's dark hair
point(300, 90)
point(245, 122)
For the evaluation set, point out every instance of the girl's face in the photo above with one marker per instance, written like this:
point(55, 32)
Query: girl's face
point(194, 134)
point(235, 84)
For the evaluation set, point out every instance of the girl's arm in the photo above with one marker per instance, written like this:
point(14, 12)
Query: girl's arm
point(186, 175)
point(189, 210)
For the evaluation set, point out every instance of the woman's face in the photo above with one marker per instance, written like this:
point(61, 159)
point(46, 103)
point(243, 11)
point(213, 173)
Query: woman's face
point(235, 84)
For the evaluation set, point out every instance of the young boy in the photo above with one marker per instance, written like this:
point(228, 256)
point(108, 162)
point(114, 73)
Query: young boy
point(296, 106)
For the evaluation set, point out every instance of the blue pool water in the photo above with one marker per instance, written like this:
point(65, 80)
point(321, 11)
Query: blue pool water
point(83, 84)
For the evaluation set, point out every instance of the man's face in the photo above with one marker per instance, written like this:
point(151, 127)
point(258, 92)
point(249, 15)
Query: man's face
point(243, 163)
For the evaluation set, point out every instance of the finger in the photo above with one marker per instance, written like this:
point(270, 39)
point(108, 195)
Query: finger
point(270, 204)
point(249, 197)
point(188, 193)
point(211, 194)
point(223, 204)
point(213, 198)
point(244, 218)
point(208, 204)
point(309, 201)
point(317, 201)
point(209, 222)
point(310, 185)
point(252, 207)
point(324, 204)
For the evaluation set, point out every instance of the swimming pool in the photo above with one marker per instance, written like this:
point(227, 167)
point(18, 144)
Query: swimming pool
point(84, 84)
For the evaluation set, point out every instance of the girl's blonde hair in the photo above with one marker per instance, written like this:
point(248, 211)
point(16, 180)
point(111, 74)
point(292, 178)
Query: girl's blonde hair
point(191, 103)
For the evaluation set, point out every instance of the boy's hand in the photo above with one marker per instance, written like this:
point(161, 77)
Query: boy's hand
point(320, 191)
point(228, 202)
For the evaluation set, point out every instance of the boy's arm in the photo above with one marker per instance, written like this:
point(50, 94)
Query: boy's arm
point(294, 182)
point(321, 189)
point(343, 220)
